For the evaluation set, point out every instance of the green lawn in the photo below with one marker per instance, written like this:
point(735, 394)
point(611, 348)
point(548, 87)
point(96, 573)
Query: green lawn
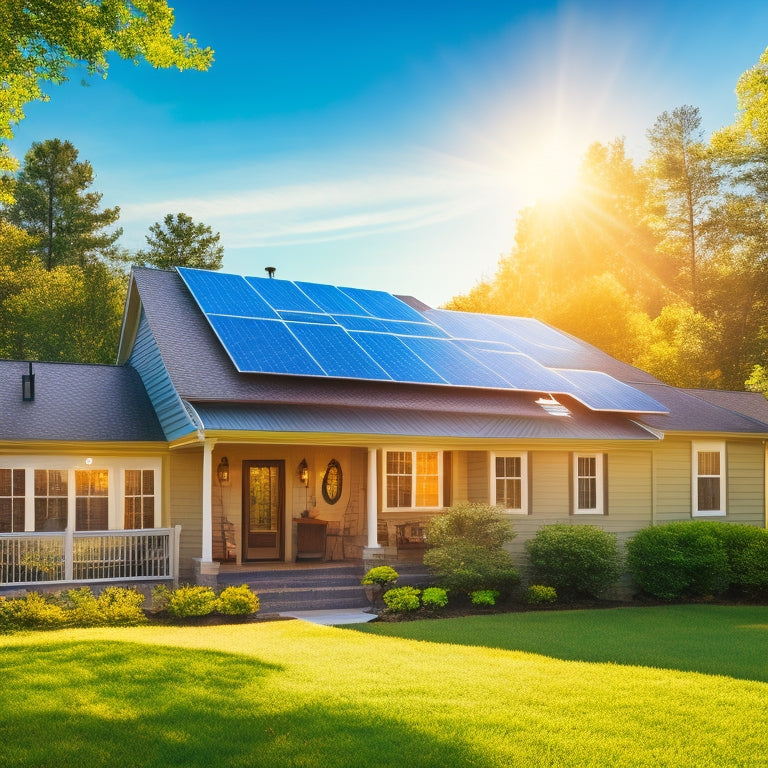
point(290, 694)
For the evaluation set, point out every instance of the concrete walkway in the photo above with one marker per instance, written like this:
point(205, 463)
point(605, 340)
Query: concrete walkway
point(332, 617)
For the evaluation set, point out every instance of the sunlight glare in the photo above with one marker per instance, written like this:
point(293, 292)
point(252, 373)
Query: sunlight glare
point(550, 170)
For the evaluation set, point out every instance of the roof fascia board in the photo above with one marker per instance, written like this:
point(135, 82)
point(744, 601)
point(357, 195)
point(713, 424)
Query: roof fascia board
point(70, 446)
point(130, 323)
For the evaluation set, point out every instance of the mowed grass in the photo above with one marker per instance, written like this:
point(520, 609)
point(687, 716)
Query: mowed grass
point(293, 694)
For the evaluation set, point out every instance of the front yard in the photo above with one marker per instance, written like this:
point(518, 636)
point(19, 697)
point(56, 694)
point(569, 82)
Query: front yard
point(459, 692)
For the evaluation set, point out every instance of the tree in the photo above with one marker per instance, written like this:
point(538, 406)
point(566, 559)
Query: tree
point(685, 180)
point(180, 242)
point(41, 40)
point(52, 205)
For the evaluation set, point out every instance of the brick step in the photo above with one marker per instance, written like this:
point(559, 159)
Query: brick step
point(277, 600)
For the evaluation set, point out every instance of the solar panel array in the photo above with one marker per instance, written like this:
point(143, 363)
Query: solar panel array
point(307, 329)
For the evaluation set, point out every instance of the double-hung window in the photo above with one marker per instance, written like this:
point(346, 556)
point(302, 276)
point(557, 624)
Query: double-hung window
point(11, 500)
point(413, 479)
point(588, 488)
point(139, 498)
point(708, 489)
point(509, 481)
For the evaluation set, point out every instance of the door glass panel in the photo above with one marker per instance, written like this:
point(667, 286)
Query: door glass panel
point(265, 499)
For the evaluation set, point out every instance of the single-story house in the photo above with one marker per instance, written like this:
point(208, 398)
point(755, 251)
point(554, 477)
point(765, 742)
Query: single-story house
point(258, 420)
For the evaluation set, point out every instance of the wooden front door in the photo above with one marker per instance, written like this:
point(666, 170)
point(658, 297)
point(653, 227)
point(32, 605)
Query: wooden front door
point(263, 509)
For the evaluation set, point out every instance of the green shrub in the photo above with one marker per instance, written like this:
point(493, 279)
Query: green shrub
point(747, 550)
point(577, 560)
point(238, 601)
point(434, 598)
point(80, 606)
point(484, 597)
point(191, 601)
point(402, 599)
point(120, 606)
point(381, 575)
point(35, 612)
point(161, 597)
point(466, 551)
point(479, 524)
point(681, 559)
point(9, 615)
point(537, 594)
point(464, 567)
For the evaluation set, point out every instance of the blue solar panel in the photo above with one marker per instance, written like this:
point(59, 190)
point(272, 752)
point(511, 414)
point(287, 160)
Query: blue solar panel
point(383, 305)
point(452, 364)
point(306, 329)
point(337, 352)
point(306, 317)
point(263, 346)
point(522, 372)
point(401, 363)
point(355, 323)
point(283, 294)
point(221, 294)
point(601, 392)
point(332, 300)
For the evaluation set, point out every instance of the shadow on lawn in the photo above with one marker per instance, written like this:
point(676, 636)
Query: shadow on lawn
point(93, 704)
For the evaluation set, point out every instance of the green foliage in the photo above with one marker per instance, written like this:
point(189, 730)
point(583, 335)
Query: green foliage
point(466, 549)
point(237, 601)
point(434, 598)
point(381, 575)
point(484, 597)
point(537, 594)
point(466, 568)
point(470, 523)
point(40, 40)
point(121, 606)
point(574, 559)
point(402, 599)
point(35, 612)
point(54, 206)
point(190, 601)
point(679, 560)
point(180, 242)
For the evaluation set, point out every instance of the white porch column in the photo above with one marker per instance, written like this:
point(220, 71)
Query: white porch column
point(206, 555)
point(372, 498)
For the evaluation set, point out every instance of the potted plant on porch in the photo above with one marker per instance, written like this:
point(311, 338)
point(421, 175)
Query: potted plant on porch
point(377, 580)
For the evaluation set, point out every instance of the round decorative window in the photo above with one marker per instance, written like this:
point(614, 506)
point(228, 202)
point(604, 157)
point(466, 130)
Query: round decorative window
point(332, 482)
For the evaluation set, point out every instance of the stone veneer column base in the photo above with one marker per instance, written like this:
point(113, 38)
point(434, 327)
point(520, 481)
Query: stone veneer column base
point(206, 572)
point(373, 556)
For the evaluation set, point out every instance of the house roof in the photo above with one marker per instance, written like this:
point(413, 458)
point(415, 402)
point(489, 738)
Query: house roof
point(76, 403)
point(204, 375)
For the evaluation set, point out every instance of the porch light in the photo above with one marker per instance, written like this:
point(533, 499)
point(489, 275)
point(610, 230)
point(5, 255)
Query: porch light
point(304, 473)
point(222, 471)
point(28, 385)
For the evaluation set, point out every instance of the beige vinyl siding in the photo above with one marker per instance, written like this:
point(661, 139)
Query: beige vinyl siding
point(549, 485)
point(478, 477)
point(672, 467)
point(746, 482)
point(186, 470)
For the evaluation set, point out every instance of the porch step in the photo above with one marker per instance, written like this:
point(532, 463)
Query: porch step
point(312, 589)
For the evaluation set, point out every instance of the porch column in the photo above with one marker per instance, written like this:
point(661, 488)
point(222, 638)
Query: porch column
point(372, 499)
point(206, 571)
point(206, 555)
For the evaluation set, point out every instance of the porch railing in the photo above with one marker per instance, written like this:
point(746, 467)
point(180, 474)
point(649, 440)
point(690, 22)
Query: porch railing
point(82, 556)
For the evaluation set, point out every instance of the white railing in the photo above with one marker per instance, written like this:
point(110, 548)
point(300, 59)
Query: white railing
point(82, 556)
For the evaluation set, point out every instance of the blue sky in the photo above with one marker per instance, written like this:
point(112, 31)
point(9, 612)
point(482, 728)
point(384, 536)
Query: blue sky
point(389, 145)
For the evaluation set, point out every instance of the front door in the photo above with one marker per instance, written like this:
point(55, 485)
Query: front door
point(263, 509)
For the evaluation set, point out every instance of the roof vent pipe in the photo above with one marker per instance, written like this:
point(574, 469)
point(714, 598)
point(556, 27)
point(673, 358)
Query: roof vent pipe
point(270, 271)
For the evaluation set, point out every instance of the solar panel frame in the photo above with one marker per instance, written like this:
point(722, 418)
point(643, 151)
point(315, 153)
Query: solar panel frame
point(283, 295)
point(382, 305)
point(601, 392)
point(332, 300)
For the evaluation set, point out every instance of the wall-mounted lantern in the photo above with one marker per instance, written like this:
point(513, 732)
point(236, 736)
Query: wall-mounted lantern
point(222, 471)
point(28, 385)
point(303, 473)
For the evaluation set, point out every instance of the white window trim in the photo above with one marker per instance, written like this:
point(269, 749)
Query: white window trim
point(114, 465)
point(413, 452)
point(599, 508)
point(707, 447)
point(523, 456)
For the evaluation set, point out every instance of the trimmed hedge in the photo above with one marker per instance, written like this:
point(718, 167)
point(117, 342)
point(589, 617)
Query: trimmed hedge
point(577, 560)
point(699, 558)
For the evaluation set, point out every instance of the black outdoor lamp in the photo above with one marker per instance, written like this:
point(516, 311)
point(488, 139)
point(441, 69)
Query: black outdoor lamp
point(304, 473)
point(28, 385)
